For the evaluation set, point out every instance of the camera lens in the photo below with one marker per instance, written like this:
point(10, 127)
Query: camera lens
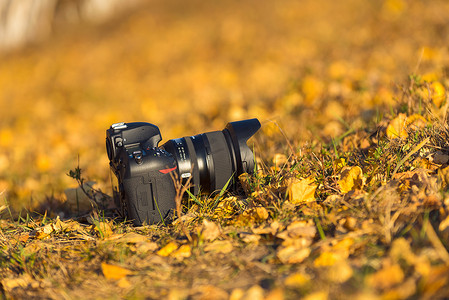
point(211, 158)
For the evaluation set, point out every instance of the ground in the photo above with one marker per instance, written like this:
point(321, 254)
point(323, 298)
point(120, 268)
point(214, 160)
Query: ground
point(349, 198)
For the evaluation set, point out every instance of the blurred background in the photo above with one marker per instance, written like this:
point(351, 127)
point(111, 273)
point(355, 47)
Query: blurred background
point(317, 69)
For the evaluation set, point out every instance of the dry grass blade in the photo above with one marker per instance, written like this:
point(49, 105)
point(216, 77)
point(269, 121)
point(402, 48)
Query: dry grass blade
point(436, 242)
point(414, 150)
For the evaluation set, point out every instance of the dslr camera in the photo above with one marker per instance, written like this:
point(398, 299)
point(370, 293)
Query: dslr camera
point(143, 186)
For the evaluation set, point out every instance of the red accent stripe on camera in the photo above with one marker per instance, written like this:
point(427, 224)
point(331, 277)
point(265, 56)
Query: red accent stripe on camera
point(165, 171)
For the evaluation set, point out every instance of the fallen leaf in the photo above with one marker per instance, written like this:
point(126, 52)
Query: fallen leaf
point(271, 229)
point(130, 237)
point(327, 258)
point(275, 294)
point(292, 254)
point(237, 294)
point(210, 292)
point(400, 249)
point(182, 252)
point(124, 283)
point(298, 229)
point(301, 190)
point(262, 213)
point(167, 249)
point(297, 280)
point(316, 296)
point(339, 272)
point(443, 175)
point(21, 282)
point(386, 277)
point(250, 238)
point(438, 93)
point(397, 127)
point(210, 230)
point(114, 272)
point(351, 179)
point(224, 247)
point(254, 293)
point(339, 164)
point(103, 228)
point(144, 247)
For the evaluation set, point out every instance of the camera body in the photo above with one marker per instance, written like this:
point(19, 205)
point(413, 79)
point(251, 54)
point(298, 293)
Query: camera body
point(142, 172)
point(143, 186)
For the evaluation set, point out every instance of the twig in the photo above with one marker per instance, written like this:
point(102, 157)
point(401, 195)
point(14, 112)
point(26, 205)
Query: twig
point(180, 190)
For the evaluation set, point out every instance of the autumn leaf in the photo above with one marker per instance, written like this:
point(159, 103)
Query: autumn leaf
point(301, 190)
point(182, 252)
point(398, 127)
point(167, 249)
point(351, 179)
point(297, 280)
point(386, 277)
point(438, 93)
point(114, 272)
point(210, 230)
point(224, 247)
point(292, 254)
point(340, 272)
point(325, 259)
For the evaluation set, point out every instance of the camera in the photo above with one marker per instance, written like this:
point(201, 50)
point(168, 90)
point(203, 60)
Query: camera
point(143, 180)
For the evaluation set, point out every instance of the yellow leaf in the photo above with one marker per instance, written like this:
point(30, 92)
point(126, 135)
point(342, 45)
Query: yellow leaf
point(23, 282)
point(124, 283)
point(397, 127)
point(298, 229)
point(182, 252)
point(262, 213)
point(339, 272)
point(292, 254)
point(438, 93)
point(316, 296)
point(167, 249)
point(301, 190)
point(351, 179)
point(416, 121)
point(255, 293)
point(339, 164)
point(297, 280)
point(210, 231)
point(219, 247)
point(114, 272)
point(386, 277)
point(104, 228)
point(326, 259)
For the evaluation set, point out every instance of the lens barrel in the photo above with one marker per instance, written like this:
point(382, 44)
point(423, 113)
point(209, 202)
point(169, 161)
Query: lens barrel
point(212, 158)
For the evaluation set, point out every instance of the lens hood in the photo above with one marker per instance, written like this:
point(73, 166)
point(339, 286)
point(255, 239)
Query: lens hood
point(240, 132)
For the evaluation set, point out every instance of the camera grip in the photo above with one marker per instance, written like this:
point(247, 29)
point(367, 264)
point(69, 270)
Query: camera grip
point(149, 199)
